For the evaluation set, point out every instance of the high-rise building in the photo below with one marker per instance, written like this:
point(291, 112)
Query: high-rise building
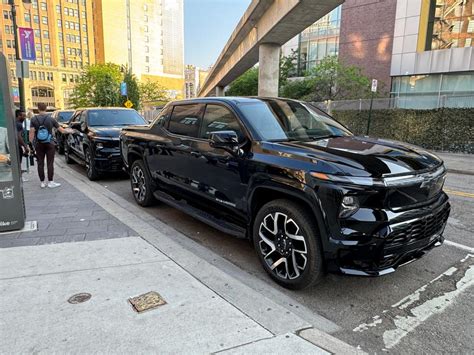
point(145, 35)
point(422, 48)
point(64, 44)
point(194, 77)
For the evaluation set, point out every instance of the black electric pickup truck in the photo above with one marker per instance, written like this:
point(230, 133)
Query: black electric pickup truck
point(309, 194)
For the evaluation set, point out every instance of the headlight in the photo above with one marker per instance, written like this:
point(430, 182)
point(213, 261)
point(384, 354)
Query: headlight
point(349, 206)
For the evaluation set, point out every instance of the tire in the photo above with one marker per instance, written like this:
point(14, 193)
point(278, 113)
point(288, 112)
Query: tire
point(67, 153)
point(290, 249)
point(91, 169)
point(142, 184)
point(61, 145)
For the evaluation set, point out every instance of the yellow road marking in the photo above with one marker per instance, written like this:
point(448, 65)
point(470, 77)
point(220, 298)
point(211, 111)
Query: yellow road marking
point(459, 193)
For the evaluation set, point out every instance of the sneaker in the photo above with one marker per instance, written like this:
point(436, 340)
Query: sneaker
point(53, 184)
point(43, 184)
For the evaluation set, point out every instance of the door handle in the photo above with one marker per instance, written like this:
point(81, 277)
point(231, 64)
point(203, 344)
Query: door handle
point(196, 154)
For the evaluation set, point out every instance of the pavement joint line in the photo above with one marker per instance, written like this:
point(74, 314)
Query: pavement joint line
point(459, 246)
point(243, 344)
point(81, 270)
point(142, 222)
point(458, 193)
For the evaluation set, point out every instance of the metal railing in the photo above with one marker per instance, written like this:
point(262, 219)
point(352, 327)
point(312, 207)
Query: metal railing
point(417, 102)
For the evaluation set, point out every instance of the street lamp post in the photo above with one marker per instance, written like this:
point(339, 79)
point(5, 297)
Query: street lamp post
point(21, 83)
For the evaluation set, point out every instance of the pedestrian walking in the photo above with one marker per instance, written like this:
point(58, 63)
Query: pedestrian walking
point(41, 134)
point(22, 146)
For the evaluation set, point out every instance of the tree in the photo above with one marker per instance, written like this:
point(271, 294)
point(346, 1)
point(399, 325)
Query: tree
point(152, 93)
point(333, 80)
point(99, 85)
point(133, 92)
point(288, 67)
point(245, 85)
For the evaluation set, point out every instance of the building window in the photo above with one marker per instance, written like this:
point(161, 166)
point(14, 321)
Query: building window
point(450, 24)
point(147, 49)
point(27, 17)
point(47, 48)
point(60, 36)
point(64, 78)
point(44, 20)
point(145, 7)
point(145, 18)
point(35, 4)
point(43, 6)
point(45, 34)
point(47, 61)
point(147, 69)
point(35, 18)
point(60, 24)
point(58, 9)
point(83, 14)
point(147, 59)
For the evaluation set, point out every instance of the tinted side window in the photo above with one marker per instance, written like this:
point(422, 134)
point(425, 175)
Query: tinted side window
point(163, 117)
point(185, 120)
point(219, 118)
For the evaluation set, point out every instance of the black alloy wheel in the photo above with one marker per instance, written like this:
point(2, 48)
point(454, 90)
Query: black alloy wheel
point(142, 184)
point(287, 242)
point(67, 154)
point(91, 169)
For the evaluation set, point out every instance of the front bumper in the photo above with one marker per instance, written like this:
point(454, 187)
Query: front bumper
point(108, 160)
point(398, 239)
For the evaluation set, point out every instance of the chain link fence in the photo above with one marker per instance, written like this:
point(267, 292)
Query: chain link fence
point(425, 102)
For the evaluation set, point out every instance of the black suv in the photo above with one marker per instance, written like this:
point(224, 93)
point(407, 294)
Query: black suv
point(308, 194)
point(95, 141)
point(63, 117)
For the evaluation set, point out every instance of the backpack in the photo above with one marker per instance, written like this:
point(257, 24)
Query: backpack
point(43, 135)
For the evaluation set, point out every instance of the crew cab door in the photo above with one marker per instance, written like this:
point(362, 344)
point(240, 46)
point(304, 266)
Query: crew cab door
point(73, 138)
point(219, 174)
point(76, 139)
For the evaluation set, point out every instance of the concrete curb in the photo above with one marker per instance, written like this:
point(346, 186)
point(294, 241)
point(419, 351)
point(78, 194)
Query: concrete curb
point(264, 304)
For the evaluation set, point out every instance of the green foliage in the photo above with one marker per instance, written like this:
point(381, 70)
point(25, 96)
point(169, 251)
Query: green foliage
point(133, 93)
point(288, 67)
point(99, 85)
point(245, 85)
point(447, 129)
point(297, 88)
point(152, 93)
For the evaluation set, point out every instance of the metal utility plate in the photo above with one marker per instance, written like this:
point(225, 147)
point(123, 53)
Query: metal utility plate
point(147, 301)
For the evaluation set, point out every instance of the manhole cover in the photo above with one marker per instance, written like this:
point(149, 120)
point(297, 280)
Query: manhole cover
point(79, 298)
point(146, 301)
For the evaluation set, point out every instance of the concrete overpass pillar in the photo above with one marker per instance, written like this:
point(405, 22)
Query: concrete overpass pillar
point(220, 91)
point(269, 69)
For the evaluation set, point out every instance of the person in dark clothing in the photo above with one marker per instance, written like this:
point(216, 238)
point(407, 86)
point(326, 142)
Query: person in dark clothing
point(45, 148)
point(23, 147)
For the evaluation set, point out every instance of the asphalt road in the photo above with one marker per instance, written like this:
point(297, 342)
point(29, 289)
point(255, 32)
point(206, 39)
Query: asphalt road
point(424, 307)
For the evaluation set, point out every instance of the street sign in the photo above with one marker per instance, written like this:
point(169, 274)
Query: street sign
point(374, 85)
point(27, 43)
point(128, 104)
point(22, 69)
point(123, 88)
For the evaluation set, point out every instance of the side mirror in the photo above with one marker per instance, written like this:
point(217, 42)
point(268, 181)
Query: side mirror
point(76, 125)
point(227, 140)
point(224, 139)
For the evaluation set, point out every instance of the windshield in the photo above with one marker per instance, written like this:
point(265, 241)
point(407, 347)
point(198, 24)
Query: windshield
point(115, 118)
point(283, 120)
point(64, 116)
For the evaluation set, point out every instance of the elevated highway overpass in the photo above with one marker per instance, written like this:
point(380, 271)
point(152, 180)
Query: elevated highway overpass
point(265, 26)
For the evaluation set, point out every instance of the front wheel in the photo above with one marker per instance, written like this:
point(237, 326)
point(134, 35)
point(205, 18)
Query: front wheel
point(286, 240)
point(91, 169)
point(142, 184)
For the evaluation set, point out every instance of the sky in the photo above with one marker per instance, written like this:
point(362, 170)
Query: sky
point(208, 25)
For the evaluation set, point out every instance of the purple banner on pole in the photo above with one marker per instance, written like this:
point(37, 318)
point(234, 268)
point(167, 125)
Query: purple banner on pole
point(27, 43)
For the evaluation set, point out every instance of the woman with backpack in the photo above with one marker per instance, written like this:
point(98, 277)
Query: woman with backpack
point(41, 134)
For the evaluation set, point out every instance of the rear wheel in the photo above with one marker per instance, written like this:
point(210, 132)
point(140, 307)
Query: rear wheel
point(142, 184)
point(287, 242)
point(91, 169)
point(67, 152)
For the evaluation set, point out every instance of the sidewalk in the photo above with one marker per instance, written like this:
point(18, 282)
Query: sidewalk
point(458, 163)
point(88, 242)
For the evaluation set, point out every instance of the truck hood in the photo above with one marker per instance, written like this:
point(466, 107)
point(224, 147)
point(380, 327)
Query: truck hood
point(361, 156)
point(106, 131)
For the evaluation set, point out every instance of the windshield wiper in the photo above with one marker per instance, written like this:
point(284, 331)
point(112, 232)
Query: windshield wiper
point(317, 138)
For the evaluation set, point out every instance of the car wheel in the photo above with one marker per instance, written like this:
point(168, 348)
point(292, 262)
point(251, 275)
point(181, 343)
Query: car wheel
point(61, 145)
point(91, 169)
point(67, 157)
point(288, 245)
point(142, 184)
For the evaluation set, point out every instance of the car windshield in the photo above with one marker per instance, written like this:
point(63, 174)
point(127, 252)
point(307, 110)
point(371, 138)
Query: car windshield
point(284, 120)
point(115, 118)
point(64, 116)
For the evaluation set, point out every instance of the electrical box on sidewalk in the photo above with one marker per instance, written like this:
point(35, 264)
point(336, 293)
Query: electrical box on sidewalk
point(12, 206)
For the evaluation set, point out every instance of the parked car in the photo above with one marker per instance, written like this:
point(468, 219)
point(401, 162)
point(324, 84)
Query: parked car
point(95, 141)
point(309, 194)
point(63, 117)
